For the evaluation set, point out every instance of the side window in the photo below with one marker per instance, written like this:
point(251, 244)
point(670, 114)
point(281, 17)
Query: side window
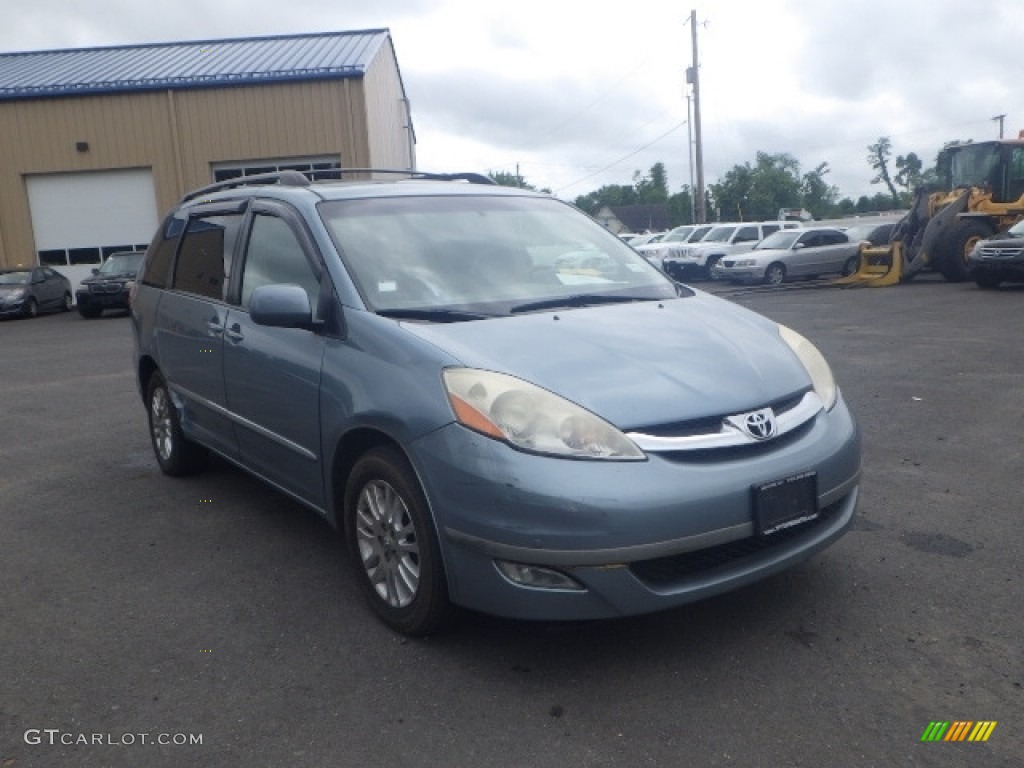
point(809, 240)
point(746, 234)
point(275, 255)
point(1015, 182)
point(204, 262)
point(834, 238)
point(157, 266)
point(769, 229)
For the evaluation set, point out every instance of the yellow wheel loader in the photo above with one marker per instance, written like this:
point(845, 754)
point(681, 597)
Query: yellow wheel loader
point(986, 196)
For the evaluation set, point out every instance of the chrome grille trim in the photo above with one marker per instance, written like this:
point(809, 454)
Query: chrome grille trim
point(729, 436)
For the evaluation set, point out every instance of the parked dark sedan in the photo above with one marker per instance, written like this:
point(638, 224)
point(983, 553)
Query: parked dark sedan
point(110, 285)
point(27, 292)
point(1000, 259)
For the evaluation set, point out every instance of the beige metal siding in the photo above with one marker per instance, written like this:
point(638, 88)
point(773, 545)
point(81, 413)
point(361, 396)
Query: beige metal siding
point(389, 124)
point(179, 135)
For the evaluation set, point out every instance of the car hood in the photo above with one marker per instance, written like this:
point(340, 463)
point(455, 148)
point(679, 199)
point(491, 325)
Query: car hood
point(111, 278)
point(636, 365)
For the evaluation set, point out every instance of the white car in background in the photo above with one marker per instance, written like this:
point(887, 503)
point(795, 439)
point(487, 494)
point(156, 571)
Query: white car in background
point(673, 243)
point(726, 239)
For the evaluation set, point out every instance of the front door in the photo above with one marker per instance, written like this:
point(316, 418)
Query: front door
point(272, 375)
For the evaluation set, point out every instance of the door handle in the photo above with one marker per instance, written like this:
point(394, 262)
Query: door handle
point(234, 332)
point(214, 325)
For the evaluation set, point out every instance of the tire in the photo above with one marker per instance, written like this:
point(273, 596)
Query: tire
point(988, 282)
point(710, 265)
point(959, 243)
point(89, 312)
point(68, 302)
point(31, 307)
point(391, 542)
point(176, 455)
point(775, 273)
point(851, 265)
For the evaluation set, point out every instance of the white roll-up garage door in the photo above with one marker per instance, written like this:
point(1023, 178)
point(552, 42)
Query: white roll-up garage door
point(88, 215)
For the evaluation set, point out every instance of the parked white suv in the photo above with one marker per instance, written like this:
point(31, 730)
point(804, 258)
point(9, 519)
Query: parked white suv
point(727, 238)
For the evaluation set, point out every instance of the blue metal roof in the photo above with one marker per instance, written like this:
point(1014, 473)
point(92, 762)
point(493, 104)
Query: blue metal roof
point(196, 64)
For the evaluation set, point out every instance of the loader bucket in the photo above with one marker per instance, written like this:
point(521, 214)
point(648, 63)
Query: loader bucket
point(879, 266)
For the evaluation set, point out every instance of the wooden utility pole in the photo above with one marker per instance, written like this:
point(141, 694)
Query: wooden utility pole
point(999, 119)
point(693, 77)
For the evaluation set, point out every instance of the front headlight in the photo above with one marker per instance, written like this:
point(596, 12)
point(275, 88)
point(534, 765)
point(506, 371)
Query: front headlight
point(745, 263)
point(17, 293)
point(531, 418)
point(817, 368)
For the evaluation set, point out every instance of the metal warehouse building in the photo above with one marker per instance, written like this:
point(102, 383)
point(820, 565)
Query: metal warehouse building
point(96, 144)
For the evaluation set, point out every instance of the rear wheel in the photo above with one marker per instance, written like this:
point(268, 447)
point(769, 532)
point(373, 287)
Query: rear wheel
point(959, 244)
point(89, 312)
point(66, 306)
point(391, 540)
point(775, 273)
point(175, 454)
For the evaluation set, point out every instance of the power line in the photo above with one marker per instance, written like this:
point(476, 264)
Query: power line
point(671, 130)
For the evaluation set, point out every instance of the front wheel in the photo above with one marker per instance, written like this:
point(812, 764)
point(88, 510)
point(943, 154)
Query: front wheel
point(31, 307)
point(852, 265)
point(175, 454)
point(959, 244)
point(775, 273)
point(391, 540)
point(987, 282)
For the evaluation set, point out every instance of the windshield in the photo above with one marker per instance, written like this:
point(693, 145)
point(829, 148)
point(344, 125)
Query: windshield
point(974, 165)
point(719, 235)
point(779, 240)
point(1017, 230)
point(699, 234)
point(678, 235)
point(122, 264)
point(14, 278)
point(484, 254)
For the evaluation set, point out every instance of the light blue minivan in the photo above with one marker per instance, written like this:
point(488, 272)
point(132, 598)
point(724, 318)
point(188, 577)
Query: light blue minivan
point(501, 404)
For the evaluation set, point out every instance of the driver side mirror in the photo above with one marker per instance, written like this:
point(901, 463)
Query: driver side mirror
point(281, 306)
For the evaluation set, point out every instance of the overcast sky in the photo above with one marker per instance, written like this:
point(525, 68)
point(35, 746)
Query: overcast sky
point(582, 94)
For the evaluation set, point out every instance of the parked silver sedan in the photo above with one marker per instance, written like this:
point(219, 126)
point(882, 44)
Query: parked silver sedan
point(807, 252)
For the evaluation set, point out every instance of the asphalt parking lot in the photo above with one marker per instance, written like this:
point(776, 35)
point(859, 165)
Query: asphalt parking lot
point(138, 609)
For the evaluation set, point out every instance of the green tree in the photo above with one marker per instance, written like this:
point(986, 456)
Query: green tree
point(752, 192)
point(680, 207)
point(504, 179)
point(652, 188)
point(610, 194)
point(819, 197)
point(909, 173)
point(878, 158)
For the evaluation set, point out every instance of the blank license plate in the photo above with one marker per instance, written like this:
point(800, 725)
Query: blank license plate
point(784, 503)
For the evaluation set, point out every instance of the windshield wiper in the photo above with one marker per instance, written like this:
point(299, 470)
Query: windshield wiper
point(434, 315)
point(577, 300)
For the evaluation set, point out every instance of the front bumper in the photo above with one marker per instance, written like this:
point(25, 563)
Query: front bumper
point(680, 269)
point(87, 300)
point(737, 274)
point(1009, 269)
point(14, 308)
point(636, 536)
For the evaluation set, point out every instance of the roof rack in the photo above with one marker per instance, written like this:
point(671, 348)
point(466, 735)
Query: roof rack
point(339, 173)
point(292, 178)
point(285, 178)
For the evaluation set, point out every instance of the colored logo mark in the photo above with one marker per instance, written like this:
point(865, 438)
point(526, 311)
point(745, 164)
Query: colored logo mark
point(958, 730)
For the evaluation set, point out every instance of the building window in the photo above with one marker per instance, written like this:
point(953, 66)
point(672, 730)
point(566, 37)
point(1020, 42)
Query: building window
point(309, 165)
